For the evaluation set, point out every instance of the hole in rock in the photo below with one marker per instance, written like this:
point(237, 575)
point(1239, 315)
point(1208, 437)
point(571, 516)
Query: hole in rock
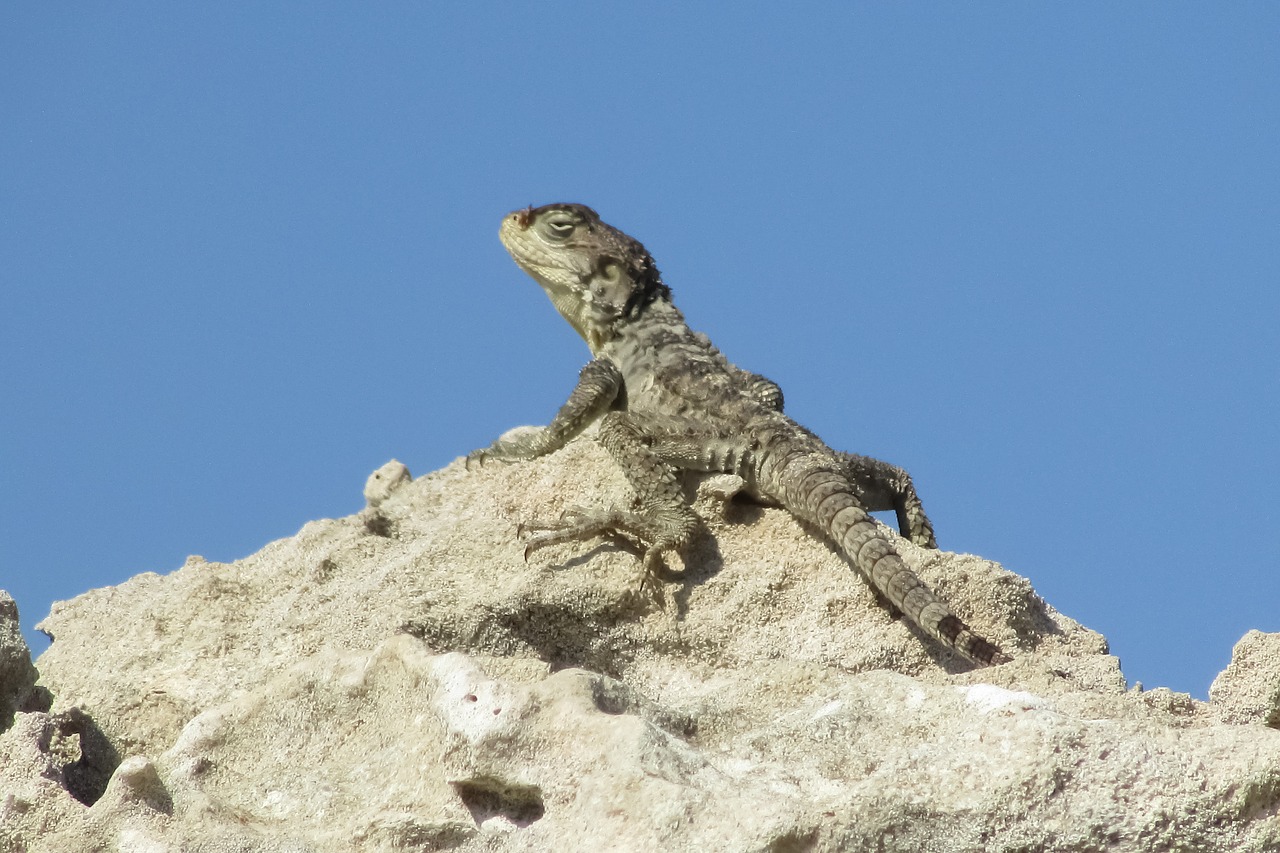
point(486, 798)
point(87, 778)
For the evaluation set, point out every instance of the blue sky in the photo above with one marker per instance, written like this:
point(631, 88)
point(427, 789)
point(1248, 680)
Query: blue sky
point(1029, 251)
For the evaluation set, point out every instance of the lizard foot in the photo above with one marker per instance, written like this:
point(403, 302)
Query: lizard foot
point(478, 458)
point(576, 524)
point(514, 445)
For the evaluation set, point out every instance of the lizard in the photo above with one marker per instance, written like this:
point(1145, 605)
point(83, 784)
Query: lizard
point(667, 401)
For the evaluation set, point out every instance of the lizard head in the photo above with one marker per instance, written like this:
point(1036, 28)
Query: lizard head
point(597, 277)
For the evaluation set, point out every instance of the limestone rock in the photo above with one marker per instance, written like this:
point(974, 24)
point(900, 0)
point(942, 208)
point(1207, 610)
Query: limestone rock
point(414, 684)
point(383, 483)
point(1248, 690)
point(33, 793)
point(17, 675)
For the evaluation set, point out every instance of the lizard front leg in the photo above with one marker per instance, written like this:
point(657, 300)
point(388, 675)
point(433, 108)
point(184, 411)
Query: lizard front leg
point(599, 384)
point(662, 522)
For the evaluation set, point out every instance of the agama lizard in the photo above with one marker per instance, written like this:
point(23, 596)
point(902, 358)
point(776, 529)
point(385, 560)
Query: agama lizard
point(667, 400)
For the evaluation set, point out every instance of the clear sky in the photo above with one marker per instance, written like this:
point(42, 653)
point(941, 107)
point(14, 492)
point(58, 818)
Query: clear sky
point(1031, 252)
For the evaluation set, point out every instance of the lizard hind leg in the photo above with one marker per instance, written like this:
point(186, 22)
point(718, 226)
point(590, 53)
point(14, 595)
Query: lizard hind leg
point(662, 521)
point(881, 486)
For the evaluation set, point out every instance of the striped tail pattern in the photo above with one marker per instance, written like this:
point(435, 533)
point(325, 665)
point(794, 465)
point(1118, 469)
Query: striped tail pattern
point(811, 485)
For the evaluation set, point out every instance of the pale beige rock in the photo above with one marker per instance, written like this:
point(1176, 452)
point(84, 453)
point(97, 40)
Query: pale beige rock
point(34, 800)
point(384, 482)
point(414, 684)
point(1248, 690)
point(17, 675)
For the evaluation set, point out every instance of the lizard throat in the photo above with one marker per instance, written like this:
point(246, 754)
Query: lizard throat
point(579, 315)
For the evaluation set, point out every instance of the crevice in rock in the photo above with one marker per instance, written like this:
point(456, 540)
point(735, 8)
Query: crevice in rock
point(487, 798)
point(795, 842)
point(38, 701)
point(86, 779)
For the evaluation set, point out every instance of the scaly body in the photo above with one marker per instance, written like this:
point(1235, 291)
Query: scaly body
point(667, 400)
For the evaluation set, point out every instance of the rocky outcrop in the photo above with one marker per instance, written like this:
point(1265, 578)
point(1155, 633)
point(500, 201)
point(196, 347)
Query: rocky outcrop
point(17, 675)
point(1248, 690)
point(403, 680)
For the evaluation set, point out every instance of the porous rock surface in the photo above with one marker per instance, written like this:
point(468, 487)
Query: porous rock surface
point(402, 679)
point(17, 675)
point(1248, 690)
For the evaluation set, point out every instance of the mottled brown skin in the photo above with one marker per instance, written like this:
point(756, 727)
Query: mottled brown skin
point(667, 400)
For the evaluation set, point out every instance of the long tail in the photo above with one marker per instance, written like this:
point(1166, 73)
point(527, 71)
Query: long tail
point(812, 486)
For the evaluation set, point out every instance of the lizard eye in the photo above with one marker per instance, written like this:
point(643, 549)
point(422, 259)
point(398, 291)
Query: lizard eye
point(559, 228)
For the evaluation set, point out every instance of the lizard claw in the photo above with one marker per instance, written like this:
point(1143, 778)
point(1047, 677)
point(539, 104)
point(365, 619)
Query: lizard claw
point(650, 565)
point(536, 541)
point(524, 532)
point(499, 451)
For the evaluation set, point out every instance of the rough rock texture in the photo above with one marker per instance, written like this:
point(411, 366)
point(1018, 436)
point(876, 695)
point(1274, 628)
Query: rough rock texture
point(402, 680)
point(17, 675)
point(1248, 690)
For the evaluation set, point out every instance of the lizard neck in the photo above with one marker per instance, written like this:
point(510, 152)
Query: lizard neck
point(653, 324)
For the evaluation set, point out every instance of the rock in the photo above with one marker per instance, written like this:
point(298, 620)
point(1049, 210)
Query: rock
point(33, 794)
point(419, 686)
point(1248, 690)
point(381, 485)
point(17, 675)
point(384, 482)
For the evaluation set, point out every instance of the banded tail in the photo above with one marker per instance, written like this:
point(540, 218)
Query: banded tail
point(813, 487)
